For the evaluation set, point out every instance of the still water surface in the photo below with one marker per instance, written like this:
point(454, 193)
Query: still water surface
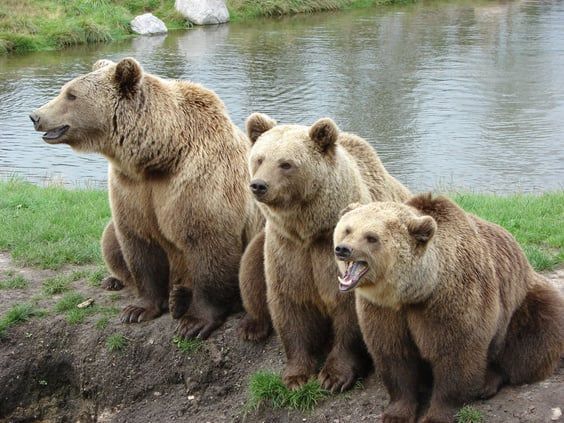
point(452, 95)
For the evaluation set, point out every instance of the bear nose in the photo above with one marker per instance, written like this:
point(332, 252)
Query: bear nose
point(35, 119)
point(259, 187)
point(343, 251)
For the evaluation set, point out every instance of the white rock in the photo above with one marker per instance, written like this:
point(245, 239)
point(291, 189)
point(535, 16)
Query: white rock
point(203, 12)
point(148, 24)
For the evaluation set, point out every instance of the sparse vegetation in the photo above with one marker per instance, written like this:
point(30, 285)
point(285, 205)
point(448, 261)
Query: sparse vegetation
point(17, 314)
point(116, 342)
point(13, 281)
point(469, 414)
point(187, 345)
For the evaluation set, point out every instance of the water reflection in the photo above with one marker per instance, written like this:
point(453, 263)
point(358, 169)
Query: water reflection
point(451, 94)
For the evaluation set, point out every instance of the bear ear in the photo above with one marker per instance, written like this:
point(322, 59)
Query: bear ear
point(422, 229)
point(349, 208)
point(258, 124)
point(128, 76)
point(101, 64)
point(324, 133)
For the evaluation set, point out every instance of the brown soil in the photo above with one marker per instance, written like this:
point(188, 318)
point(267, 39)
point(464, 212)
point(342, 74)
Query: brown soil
point(53, 371)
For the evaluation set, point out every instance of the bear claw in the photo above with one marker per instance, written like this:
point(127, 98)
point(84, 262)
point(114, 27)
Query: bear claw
point(112, 283)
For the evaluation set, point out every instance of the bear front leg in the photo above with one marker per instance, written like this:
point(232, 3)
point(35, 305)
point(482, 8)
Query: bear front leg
point(458, 377)
point(147, 266)
point(256, 324)
point(395, 357)
point(303, 332)
point(349, 357)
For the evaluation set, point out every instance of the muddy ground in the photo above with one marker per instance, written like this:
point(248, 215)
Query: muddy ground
point(54, 371)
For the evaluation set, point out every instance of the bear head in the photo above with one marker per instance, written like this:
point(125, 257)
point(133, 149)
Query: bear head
point(290, 164)
point(83, 115)
point(382, 250)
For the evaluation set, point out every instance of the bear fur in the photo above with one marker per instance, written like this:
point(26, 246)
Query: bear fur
point(302, 177)
point(182, 213)
point(447, 299)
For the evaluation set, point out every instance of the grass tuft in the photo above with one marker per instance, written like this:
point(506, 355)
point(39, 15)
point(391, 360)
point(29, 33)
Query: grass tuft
point(17, 314)
point(469, 414)
point(187, 345)
point(116, 342)
point(267, 388)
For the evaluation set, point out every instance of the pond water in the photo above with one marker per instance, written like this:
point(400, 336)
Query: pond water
point(453, 95)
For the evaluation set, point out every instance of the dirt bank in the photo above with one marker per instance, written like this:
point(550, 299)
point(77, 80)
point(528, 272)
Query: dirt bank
point(53, 371)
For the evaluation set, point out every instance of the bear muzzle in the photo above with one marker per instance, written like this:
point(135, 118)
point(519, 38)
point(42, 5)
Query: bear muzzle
point(50, 134)
point(259, 188)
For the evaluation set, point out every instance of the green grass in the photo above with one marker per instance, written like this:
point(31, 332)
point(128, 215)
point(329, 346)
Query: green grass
point(17, 314)
point(36, 25)
point(187, 345)
point(116, 342)
point(267, 388)
point(51, 226)
point(13, 281)
point(469, 414)
point(536, 221)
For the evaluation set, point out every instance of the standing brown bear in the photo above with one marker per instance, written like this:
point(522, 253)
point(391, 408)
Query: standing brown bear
point(178, 185)
point(445, 298)
point(302, 177)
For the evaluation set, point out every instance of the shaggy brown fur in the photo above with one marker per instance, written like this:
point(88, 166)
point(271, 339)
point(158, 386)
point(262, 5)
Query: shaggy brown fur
point(181, 210)
point(441, 290)
point(302, 177)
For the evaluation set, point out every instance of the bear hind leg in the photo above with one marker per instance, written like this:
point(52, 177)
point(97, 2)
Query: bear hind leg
point(535, 337)
point(140, 264)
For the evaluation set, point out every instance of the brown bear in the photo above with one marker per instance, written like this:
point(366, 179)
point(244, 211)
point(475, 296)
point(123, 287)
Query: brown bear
point(182, 213)
point(448, 300)
point(302, 177)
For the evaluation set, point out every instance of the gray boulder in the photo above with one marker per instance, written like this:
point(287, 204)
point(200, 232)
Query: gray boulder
point(203, 12)
point(148, 24)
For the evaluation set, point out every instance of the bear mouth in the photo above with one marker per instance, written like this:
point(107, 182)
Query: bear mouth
point(55, 134)
point(354, 271)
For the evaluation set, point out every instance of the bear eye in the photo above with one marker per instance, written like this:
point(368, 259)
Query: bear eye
point(347, 231)
point(285, 165)
point(71, 96)
point(372, 239)
point(259, 161)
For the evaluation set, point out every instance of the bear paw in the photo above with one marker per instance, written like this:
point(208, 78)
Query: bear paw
point(294, 378)
point(251, 329)
point(179, 301)
point(112, 283)
point(137, 314)
point(196, 327)
point(400, 412)
point(337, 378)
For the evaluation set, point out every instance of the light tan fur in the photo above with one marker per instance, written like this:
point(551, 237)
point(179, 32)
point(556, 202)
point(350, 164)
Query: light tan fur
point(449, 294)
point(302, 177)
point(181, 211)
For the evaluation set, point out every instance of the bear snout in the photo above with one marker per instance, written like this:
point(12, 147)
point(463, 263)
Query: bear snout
point(259, 187)
point(35, 119)
point(343, 251)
